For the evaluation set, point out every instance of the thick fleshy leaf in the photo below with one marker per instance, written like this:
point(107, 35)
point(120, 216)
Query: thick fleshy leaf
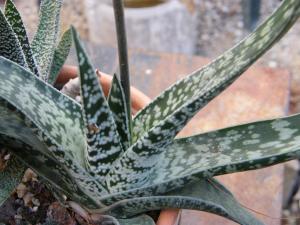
point(55, 114)
point(14, 18)
point(60, 55)
point(207, 82)
point(118, 107)
point(10, 47)
point(157, 125)
point(27, 143)
point(45, 40)
point(240, 148)
point(10, 177)
point(102, 136)
point(139, 220)
point(159, 189)
point(204, 195)
point(56, 118)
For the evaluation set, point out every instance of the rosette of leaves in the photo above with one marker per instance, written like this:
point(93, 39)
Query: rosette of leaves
point(88, 153)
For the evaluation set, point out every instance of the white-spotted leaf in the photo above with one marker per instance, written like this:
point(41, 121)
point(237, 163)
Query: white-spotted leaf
point(118, 107)
point(25, 141)
point(156, 126)
point(45, 40)
point(52, 116)
point(60, 55)
point(10, 47)
point(101, 133)
point(14, 18)
point(240, 148)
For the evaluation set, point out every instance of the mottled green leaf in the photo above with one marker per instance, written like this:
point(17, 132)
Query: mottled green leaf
point(60, 55)
point(56, 118)
point(10, 47)
point(10, 177)
point(55, 114)
point(102, 136)
point(156, 126)
point(239, 148)
point(118, 106)
point(139, 220)
point(45, 40)
point(204, 195)
point(207, 82)
point(14, 18)
point(48, 161)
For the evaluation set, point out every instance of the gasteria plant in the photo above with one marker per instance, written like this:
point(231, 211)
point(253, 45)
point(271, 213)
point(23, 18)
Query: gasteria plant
point(88, 153)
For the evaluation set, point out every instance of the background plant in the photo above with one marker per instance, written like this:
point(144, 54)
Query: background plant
point(88, 153)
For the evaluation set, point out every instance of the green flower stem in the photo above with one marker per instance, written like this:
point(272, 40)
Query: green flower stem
point(123, 55)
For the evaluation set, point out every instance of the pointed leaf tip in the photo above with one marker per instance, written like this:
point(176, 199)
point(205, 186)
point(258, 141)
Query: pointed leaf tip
point(14, 18)
point(60, 55)
point(118, 106)
point(102, 137)
point(45, 40)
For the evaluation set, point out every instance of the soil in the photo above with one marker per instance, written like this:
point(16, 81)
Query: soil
point(34, 203)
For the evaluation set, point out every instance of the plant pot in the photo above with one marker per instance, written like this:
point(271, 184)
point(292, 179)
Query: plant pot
point(138, 101)
point(169, 217)
point(142, 3)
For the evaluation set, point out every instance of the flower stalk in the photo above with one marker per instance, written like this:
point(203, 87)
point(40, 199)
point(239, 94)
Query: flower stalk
point(118, 6)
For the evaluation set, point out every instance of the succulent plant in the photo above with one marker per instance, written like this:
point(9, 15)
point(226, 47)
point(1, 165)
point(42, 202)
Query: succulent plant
point(88, 153)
